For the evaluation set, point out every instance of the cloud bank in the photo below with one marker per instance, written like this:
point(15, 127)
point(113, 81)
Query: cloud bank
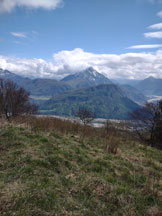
point(9, 5)
point(128, 65)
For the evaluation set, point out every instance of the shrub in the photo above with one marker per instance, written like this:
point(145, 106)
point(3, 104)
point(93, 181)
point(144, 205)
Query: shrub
point(148, 121)
point(14, 100)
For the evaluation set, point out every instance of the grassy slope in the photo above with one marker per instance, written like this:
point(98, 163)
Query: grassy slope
point(48, 173)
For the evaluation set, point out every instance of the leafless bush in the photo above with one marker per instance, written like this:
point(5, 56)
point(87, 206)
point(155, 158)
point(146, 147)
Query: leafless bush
point(85, 115)
point(14, 100)
point(148, 121)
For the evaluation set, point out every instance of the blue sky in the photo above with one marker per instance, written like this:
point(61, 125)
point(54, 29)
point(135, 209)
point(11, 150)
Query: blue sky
point(53, 38)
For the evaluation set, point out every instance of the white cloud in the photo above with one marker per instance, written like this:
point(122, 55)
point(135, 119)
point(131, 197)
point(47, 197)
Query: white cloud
point(29, 67)
point(159, 14)
point(156, 26)
point(29, 37)
point(148, 46)
point(157, 34)
point(19, 34)
point(128, 65)
point(9, 5)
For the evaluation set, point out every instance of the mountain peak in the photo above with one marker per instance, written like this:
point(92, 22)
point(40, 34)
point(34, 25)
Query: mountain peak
point(150, 78)
point(91, 71)
point(86, 78)
point(4, 72)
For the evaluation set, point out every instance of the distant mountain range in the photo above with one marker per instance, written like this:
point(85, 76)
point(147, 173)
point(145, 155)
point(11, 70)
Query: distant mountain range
point(37, 87)
point(150, 86)
point(84, 79)
point(87, 87)
point(5, 74)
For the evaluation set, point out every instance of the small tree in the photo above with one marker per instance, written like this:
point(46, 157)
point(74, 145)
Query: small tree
point(85, 115)
point(14, 100)
point(148, 120)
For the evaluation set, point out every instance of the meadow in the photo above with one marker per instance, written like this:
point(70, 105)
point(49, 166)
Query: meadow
point(54, 167)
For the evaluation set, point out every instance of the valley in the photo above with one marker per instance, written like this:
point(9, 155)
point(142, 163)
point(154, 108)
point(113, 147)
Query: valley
point(107, 99)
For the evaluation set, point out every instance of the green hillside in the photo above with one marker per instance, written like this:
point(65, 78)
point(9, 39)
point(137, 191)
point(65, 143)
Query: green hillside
point(45, 87)
point(106, 101)
point(134, 94)
point(63, 173)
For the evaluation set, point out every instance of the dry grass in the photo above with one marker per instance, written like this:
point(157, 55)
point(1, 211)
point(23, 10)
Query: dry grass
point(53, 167)
point(109, 136)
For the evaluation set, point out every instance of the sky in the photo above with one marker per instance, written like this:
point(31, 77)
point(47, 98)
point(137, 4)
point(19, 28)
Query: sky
point(55, 38)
